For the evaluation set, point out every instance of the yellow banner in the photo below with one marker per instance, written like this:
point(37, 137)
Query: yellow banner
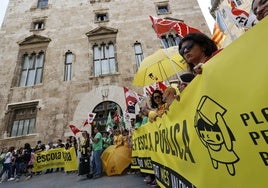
point(56, 158)
point(217, 134)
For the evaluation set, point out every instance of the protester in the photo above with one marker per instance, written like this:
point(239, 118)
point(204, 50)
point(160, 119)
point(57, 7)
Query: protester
point(71, 142)
point(158, 104)
point(126, 138)
point(60, 145)
point(97, 150)
point(106, 140)
point(28, 156)
point(145, 112)
point(118, 138)
point(169, 96)
point(196, 49)
point(138, 120)
point(19, 167)
point(39, 148)
point(3, 152)
point(260, 8)
point(84, 144)
point(50, 146)
point(7, 164)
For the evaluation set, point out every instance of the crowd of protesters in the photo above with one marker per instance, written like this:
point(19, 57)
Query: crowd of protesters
point(18, 163)
point(196, 49)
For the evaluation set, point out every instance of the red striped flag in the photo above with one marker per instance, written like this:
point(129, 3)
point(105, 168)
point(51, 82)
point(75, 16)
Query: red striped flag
point(218, 35)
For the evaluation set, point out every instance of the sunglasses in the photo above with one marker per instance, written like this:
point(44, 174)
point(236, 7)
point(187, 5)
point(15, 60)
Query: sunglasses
point(157, 96)
point(189, 46)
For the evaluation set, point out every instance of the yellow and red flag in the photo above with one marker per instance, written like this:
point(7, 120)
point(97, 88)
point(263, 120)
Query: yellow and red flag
point(218, 35)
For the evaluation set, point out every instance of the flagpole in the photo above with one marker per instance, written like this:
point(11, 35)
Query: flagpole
point(170, 60)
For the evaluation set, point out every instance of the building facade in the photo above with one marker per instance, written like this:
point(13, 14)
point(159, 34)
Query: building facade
point(60, 61)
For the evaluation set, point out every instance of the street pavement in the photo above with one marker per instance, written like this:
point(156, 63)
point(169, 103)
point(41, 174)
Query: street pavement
point(63, 180)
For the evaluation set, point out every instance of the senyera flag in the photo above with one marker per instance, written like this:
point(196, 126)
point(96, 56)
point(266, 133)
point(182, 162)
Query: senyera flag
point(74, 129)
point(164, 26)
point(218, 35)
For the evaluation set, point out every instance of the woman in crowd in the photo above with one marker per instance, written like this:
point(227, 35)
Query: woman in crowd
point(19, 167)
point(157, 103)
point(7, 164)
point(118, 138)
point(85, 144)
point(196, 49)
point(126, 138)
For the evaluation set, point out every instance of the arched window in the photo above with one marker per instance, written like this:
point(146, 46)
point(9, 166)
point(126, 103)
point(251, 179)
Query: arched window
point(104, 59)
point(32, 69)
point(138, 53)
point(170, 40)
point(68, 63)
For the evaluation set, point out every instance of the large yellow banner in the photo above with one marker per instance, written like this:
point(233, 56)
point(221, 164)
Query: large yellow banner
point(217, 134)
point(56, 158)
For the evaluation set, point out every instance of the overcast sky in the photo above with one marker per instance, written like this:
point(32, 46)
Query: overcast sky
point(3, 10)
point(204, 4)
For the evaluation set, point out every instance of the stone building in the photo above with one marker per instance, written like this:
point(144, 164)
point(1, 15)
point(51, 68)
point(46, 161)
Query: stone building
point(60, 60)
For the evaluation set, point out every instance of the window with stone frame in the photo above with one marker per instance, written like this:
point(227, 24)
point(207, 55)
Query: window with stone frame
point(162, 8)
point(101, 17)
point(32, 69)
point(104, 59)
point(68, 65)
point(31, 60)
point(21, 119)
point(103, 51)
point(170, 40)
point(42, 3)
point(138, 53)
point(38, 25)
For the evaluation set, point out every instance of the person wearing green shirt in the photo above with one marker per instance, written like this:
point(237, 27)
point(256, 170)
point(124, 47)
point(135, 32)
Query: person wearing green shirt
point(106, 140)
point(97, 150)
point(3, 152)
point(138, 120)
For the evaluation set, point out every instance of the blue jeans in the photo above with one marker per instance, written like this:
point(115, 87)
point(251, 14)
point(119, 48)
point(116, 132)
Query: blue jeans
point(97, 167)
point(7, 167)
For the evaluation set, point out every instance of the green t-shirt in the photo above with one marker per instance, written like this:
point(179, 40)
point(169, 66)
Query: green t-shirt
point(137, 124)
point(2, 159)
point(144, 120)
point(106, 142)
point(97, 145)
